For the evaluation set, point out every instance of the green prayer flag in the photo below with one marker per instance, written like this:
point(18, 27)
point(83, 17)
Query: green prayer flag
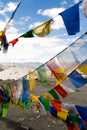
point(28, 104)
point(73, 119)
point(54, 94)
point(5, 107)
point(28, 34)
point(45, 102)
point(42, 74)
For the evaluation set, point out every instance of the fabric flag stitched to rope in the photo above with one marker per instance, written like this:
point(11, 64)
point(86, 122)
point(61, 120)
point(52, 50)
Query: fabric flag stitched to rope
point(13, 42)
point(82, 111)
point(42, 74)
point(32, 82)
point(83, 68)
point(77, 79)
point(56, 69)
point(71, 19)
point(43, 29)
point(28, 34)
point(25, 83)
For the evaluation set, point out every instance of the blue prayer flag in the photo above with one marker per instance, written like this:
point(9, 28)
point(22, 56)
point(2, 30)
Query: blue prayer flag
point(25, 84)
point(82, 111)
point(71, 19)
point(77, 79)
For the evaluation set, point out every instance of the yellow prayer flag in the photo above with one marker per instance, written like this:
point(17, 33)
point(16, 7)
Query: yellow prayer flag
point(43, 29)
point(62, 114)
point(32, 82)
point(34, 97)
point(83, 69)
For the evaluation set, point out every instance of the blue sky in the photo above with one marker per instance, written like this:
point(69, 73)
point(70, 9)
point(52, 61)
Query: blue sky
point(29, 15)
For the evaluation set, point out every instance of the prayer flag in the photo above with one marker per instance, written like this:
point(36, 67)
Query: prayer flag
point(28, 34)
point(28, 104)
point(45, 103)
point(83, 67)
point(52, 111)
point(42, 75)
point(82, 112)
point(73, 119)
point(43, 29)
point(54, 94)
point(34, 97)
point(77, 79)
point(32, 82)
point(73, 126)
point(24, 97)
point(25, 83)
point(62, 114)
point(5, 106)
point(57, 105)
point(13, 42)
point(61, 91)
point(56, 69)
point(71, 19)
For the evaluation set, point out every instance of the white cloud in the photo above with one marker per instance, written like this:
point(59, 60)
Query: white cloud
point(33, 50)
point(52, 13)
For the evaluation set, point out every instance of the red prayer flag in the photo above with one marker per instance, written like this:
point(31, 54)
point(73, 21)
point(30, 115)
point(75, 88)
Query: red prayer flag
point(61, 91)
point(73, 127)
point(13, 42)
point(57, 105)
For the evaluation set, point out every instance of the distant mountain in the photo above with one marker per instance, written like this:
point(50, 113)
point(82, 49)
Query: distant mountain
point(32, 65)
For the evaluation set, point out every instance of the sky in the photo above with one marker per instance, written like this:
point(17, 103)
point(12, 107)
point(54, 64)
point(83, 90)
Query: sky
point(29, 15)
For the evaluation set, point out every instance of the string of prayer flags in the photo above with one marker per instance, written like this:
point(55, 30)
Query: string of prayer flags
point(84, 7)
point(42, 75)
point(61, 91)
point(32, 82)
point(71, 19)
point(82, 112)
point(77, 79)
point(43, 29)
